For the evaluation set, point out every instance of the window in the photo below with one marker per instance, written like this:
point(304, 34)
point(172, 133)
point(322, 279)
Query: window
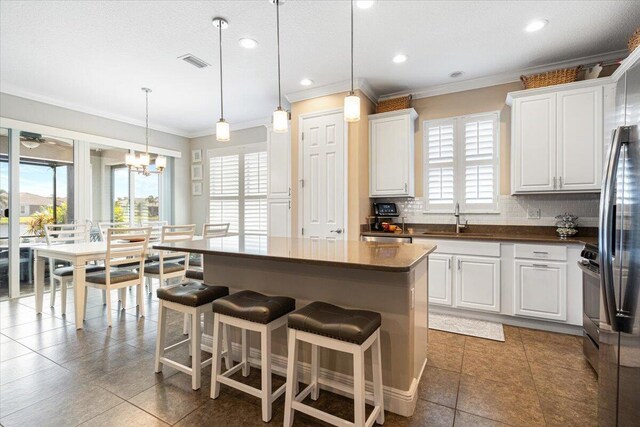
point(461, 163)
point(238, 188)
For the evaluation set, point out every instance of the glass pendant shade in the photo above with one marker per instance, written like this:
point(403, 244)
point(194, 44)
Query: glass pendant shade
point(130, 159)
point(280, 121)
point(351, 108)
point(161, 162)
point(144, 159)
point(222, 131)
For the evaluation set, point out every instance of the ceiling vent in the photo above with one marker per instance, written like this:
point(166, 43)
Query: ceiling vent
point(193, 60)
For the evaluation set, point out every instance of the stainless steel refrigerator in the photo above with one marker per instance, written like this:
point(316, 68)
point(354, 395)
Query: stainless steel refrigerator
point(619, 247)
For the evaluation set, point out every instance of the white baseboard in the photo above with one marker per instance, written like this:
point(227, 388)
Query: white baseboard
point(401, 402)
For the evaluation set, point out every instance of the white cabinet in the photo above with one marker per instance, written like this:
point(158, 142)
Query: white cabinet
point(278, 183)
point(391, 148)
point(279, 215)
point(541, 289)
point(278, 164)
point(557, 138)
point(440, 279)
point(478, 283)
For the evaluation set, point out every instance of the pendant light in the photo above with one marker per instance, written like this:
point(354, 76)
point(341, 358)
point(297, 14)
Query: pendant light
point(351, 101)
point(222, 127)
point(280, 116)
point(141, 163)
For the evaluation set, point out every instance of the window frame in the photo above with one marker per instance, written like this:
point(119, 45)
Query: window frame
point(241, 151)
point(460, 164)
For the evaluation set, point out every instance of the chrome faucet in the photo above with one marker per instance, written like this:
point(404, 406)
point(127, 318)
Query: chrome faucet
point(457, 215)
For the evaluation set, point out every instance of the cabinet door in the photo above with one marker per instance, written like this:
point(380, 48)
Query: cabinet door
point(440, 279)
point(478, 283)
point(541, 290)
point(579, 136)
point(279, 217)
point(534, 143)
point(390, 156)
point(278, 164)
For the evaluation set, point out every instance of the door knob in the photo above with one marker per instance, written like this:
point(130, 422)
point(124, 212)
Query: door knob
point(337, 230)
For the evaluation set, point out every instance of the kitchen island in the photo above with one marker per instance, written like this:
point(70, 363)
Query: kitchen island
point(389, 278)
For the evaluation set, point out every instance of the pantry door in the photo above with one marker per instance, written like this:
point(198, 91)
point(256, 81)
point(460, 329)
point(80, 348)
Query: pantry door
point(323, 186)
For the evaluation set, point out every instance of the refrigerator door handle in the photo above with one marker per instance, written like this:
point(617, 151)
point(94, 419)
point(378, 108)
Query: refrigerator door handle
point(607, 226)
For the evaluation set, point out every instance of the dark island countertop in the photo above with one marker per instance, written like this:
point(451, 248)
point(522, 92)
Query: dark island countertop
point(393, 257)
point(504, 233)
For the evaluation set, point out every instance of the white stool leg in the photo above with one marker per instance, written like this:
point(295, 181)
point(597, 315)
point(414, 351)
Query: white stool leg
point(358, 388)
point(216, 357)
point(186, 325)
point(265, 350)
point(315, 371)
point(378, 392)
point(292, 378)
point(108, 304)
point(246, 368)
point(160, 338)
point(104, 297)
point(63, 296)
point(226, 336)
point(52, 283)
point(140, 298)
point(195, 350)
point(122, 294)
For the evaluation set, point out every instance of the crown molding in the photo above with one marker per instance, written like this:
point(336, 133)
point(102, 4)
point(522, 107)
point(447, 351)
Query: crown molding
point(10, 89)
point(503, 78)
point(333, 88)
point(233, 127)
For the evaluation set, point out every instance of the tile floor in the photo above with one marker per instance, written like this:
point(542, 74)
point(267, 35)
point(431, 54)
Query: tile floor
point(51, 374)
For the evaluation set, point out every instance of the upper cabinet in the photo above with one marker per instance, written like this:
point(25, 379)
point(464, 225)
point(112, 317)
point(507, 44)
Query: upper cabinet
point(391, 146)
point(278, 164)
point(557, 137)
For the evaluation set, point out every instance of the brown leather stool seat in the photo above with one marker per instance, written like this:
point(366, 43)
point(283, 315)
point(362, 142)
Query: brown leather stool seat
point(254, 307)
point(192, 294)
point(331, 321)
point(195, 274)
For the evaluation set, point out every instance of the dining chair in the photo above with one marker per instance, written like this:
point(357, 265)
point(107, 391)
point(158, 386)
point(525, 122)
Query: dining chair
point(105, 226)
point(156, 228)
point(61, 234)
point(168, 265)
point(208, 231)
point(124, 246)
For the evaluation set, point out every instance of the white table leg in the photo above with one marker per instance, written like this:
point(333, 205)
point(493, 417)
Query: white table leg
point(79, 274)
point(38, 268)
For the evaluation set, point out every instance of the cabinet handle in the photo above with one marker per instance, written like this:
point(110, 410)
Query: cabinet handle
point(449, 263)
point(555, 183)
point(289, 191)
point(541, 252)
point(458, 264)
point(289, 204)
point(560, 182)
point(540, 265)
point(406, 188)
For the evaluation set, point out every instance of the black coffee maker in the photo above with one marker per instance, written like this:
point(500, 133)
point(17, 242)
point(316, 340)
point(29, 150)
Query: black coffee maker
point(383, 211)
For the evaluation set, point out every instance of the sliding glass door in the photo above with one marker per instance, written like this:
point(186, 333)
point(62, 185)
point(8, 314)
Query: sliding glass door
point(4, 213)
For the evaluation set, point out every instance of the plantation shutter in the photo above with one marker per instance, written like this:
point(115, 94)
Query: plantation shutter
point(439, 165)
point(255, 191)
point(479, 162)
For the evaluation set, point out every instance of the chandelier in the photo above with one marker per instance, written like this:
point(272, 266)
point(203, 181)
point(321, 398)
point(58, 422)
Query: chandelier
point(141, 163)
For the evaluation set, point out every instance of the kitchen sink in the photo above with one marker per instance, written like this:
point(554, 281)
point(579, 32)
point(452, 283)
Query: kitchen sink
point(453, 233)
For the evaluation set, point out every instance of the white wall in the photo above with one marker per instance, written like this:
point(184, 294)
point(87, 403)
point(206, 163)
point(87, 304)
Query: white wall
point(27, 110)
point(200, 204)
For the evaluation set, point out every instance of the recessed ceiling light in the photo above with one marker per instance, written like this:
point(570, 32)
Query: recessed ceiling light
point(248, 43)
point(536, 25)
point(365, 4)
point(456, 74)
point(400, 58)
point(306, 82)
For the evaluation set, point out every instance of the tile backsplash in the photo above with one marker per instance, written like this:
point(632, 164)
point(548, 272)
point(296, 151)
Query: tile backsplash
point(513, 210)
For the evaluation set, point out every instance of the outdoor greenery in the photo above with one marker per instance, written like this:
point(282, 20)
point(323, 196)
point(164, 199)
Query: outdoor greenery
point(45, 216)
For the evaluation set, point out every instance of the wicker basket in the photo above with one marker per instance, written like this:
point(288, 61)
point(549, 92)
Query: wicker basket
point(550, 78)
point(394, 104)
point(634, 41)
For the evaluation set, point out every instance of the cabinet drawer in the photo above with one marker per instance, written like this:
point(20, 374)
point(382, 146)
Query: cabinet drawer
point(551, 252)
point(467, 247)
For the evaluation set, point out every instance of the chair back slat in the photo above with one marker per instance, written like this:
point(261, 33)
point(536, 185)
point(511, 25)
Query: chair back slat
point(105, 226)
point(215, 230)
point(66, 233)
point(126, 246)
point(156, 227)
point(173, 234)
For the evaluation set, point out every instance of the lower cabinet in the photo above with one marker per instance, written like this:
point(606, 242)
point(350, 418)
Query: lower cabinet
point(279, 217)
point(478, 283)
point(541, 289)
point(440, 279)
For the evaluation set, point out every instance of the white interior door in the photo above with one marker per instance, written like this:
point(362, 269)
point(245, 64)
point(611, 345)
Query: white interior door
point(323, 173)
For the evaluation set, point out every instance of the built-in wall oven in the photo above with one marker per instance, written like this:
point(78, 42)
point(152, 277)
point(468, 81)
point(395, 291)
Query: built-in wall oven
point(590, 266)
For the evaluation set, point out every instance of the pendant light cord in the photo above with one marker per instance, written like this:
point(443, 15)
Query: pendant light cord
point(352, 47)
point(146, 136)
point(278, 42)
point(221, 95)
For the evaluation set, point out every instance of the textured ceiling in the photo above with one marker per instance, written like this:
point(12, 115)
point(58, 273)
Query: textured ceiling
point(95, 55)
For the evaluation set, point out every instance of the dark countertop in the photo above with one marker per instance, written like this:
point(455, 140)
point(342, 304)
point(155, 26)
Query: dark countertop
point(504, 233)
point(393, 257)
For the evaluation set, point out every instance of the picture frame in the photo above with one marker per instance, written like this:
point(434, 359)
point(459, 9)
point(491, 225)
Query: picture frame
point(196, 172)
point(196, 155)
point(196, 188)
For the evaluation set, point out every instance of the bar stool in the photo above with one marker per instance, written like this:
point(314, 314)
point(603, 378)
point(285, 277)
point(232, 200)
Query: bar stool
point(193, 299)
point(335, 328)
point(249, 311)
